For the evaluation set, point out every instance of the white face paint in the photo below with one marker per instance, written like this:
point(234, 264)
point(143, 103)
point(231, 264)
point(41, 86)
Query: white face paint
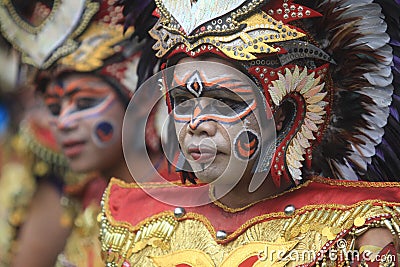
point(88, 118)
point(212, 109)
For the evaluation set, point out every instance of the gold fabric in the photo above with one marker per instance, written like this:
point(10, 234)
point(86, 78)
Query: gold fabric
point(280, 241)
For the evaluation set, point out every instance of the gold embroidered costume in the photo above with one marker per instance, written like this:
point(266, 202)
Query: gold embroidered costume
point(335, 74)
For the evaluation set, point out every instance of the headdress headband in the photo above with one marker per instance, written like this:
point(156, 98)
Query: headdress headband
point(97, 43)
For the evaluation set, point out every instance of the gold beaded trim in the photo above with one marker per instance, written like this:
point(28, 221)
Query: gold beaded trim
point(25, 25)
point(119, 242)
point(260, 30)
point(26, 38)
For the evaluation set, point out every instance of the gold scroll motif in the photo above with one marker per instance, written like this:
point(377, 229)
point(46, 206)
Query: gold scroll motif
point(285, 241)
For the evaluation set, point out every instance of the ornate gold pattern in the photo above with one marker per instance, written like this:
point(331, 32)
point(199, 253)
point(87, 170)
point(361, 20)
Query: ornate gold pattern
point(311, 228)
point(83, 246)
point(192, 14)
point(305, 184)
point(97, 43)
point(260, 29)
point(17, 187)
point(25, 25)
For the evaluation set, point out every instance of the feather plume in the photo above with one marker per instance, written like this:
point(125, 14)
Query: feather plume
point(138, 13)
point(363, 132)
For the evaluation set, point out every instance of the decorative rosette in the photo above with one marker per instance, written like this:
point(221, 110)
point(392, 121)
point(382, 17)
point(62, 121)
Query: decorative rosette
point(309, 88)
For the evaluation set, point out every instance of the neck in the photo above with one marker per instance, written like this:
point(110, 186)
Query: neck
point(240, 196)
point(120, 171)
point(140, 168)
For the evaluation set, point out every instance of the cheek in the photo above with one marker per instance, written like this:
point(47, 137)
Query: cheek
point(107, 127)
point(104, 133)
point(247, 140)
point(180, 132)
point(52, 122)
point(246, 145)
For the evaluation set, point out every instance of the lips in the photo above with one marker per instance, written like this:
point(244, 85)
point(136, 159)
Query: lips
point(73, 148)
point(202, 154)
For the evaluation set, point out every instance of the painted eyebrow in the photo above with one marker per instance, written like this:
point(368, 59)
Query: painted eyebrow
point(235, 85)
point(82, 84)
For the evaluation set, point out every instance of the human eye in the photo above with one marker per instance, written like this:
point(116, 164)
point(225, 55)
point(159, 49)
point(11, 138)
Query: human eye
point(87, 102)
point(54, 109)
point(229, 106)
point(183, 104)
point(181, 100)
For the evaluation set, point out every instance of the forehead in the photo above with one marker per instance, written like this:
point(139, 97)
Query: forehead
point(75, 83)
point(210, 70)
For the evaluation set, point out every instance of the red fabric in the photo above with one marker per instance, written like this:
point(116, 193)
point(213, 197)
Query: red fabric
point(42, 134)
point(166, 171)
point(249, 262)
point(275, 5)
point(133, 205)
point(93, 191)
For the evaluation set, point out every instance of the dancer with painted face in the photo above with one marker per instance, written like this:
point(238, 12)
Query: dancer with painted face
point(263, 97)
point(87, 92)
point(87, 76)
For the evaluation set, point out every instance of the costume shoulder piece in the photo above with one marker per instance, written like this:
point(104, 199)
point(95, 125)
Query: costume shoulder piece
point(333, 216)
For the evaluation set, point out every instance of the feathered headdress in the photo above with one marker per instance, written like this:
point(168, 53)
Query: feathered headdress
point(334, 62)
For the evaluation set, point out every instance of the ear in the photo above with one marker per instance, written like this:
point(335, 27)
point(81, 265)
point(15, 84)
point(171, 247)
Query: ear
point(279, 117)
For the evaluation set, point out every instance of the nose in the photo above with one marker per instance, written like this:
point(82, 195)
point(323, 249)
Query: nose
point(201, 123)
point(67, 121)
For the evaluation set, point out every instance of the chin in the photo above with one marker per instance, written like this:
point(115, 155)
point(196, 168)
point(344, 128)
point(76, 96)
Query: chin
point(80, 166)
point(214, 176)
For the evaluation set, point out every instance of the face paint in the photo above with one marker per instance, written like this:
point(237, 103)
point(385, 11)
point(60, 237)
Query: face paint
point(103, 133)
point(78, 99)
point(246, 145)
point(215, 104)
point(198, 99)
point(87, 116)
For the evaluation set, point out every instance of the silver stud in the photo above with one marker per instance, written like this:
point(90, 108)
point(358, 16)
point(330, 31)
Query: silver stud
point(179, 212)
point(221, 235)
point(289, 210)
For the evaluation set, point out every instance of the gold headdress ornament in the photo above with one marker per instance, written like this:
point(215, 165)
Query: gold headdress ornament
point(233, 27)
point(77, 35)
point(54, 37)
point(100, 47)
point(339, 101)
